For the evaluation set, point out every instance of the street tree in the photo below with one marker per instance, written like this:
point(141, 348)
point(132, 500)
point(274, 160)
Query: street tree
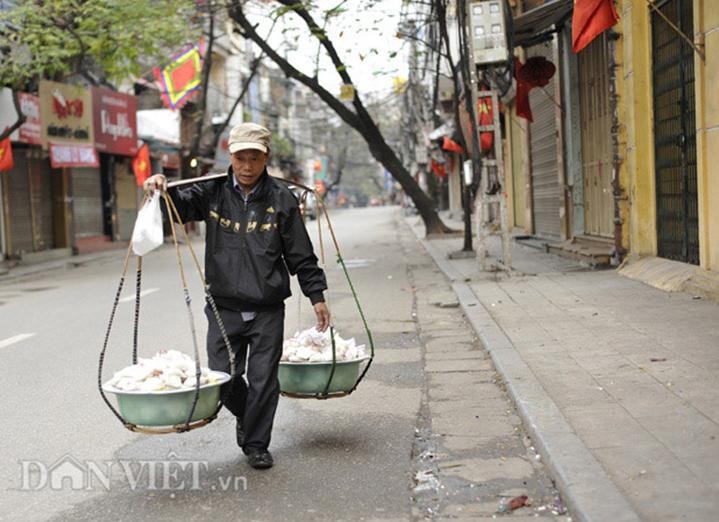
point(356, 115)
point(102, 41)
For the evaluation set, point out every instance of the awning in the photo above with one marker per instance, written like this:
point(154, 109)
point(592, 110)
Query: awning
point(159, 125)
point(531, 28)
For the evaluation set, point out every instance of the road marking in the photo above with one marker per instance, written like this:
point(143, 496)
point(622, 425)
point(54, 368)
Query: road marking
point(143, 293)
point(15, 339)
point(358, 263)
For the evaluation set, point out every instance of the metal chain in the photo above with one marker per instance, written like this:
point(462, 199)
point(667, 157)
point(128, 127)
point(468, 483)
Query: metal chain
point(107, 337)
point(136, 325)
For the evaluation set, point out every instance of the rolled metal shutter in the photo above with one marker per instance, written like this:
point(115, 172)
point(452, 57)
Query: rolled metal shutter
point(20, 214)
point(546, 195)
point(87, 202)
point(41, 197)
point(127, 194)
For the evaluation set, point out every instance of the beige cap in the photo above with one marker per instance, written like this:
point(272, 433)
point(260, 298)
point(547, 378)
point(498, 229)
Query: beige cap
point(249, 136)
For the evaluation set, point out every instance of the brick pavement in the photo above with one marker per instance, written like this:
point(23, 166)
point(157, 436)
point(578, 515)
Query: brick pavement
point(634, 370)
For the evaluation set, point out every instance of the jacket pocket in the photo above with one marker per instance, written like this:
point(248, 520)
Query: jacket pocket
point(224, 261)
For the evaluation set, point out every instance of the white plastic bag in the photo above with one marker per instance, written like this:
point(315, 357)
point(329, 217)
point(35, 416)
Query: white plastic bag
point(147, 234)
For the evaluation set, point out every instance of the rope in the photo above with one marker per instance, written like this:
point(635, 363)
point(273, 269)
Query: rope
point(206, 287)
point(334, 361)
point(213, 306)
point(188, 303)
point(320, 205)
point(341, 262)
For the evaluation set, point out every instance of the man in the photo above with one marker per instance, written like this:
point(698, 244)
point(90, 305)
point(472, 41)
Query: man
point(255, 234)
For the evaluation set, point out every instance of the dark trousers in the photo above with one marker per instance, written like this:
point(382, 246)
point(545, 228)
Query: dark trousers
point(254, 403)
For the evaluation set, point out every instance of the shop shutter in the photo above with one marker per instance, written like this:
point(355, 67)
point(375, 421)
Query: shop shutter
point(17, 188)
point(546, 194)
point(596, 123)
point(87, 202)
point(127, 194)
point(41, 197)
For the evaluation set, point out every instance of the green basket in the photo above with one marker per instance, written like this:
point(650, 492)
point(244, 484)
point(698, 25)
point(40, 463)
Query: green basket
point(310, 378)
point(168, 408)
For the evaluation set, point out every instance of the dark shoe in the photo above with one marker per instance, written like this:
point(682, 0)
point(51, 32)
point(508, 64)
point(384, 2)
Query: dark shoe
point(240, 433)
point(260, 459)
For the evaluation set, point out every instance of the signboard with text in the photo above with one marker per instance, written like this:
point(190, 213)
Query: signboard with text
point(67, 126)
point(72, 155)
point(66, 113)
point(115, 122)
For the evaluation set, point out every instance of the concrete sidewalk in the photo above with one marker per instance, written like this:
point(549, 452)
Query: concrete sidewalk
point(617, 381)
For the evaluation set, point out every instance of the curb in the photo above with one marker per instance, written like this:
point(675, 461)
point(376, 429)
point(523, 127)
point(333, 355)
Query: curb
point(588, 491)
point(23, 271)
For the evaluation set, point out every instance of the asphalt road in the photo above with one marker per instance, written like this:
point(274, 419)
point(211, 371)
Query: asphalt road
point(346, 458)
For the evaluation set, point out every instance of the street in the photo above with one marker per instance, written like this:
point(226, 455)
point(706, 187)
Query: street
point(522, 195)
point(377, 454)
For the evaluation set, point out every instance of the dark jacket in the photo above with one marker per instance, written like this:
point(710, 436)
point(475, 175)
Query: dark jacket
point(251, 246)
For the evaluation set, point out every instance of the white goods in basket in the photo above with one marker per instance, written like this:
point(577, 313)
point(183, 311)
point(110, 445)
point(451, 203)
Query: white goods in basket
point(313, 346)
point(166, 370)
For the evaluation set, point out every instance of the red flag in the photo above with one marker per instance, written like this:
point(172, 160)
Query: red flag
point(438, 169)
point(6, 161)
point(590, 19)
point(451, 145)
point(141, 165)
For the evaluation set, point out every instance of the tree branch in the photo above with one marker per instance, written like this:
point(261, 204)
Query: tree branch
point(20, 118)
point(301, 11)
point(248, 31)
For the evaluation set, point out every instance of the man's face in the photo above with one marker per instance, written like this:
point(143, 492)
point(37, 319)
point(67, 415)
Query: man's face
point(248, 165)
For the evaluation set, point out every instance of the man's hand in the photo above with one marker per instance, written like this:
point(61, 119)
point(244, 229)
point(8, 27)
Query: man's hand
point(156, 182)
point(323, 316)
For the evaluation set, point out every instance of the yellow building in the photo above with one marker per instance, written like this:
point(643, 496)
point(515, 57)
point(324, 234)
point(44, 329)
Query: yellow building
point(637, 119)
point(669, 116)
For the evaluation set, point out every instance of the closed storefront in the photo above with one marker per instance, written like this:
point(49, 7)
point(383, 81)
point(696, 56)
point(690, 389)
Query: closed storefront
point(27, 211)
point(28, 203)
point(544, 159)
point(87, 202)
point(127, 195)
point(115, 126)
point(675, 133)
point(38, 170)
point(596, 126)
point(18, 214)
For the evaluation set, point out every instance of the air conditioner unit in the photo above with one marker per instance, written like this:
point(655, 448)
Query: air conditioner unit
point(488, 31)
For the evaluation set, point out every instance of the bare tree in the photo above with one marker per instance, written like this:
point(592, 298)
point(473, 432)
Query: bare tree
point(359, 118)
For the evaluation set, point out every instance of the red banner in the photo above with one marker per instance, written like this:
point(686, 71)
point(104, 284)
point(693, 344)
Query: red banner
point(115, 122)
point(179, 80)
point(72, 155)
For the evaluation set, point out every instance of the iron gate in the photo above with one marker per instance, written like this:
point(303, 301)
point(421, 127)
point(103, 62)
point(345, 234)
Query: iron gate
point(675, 134)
